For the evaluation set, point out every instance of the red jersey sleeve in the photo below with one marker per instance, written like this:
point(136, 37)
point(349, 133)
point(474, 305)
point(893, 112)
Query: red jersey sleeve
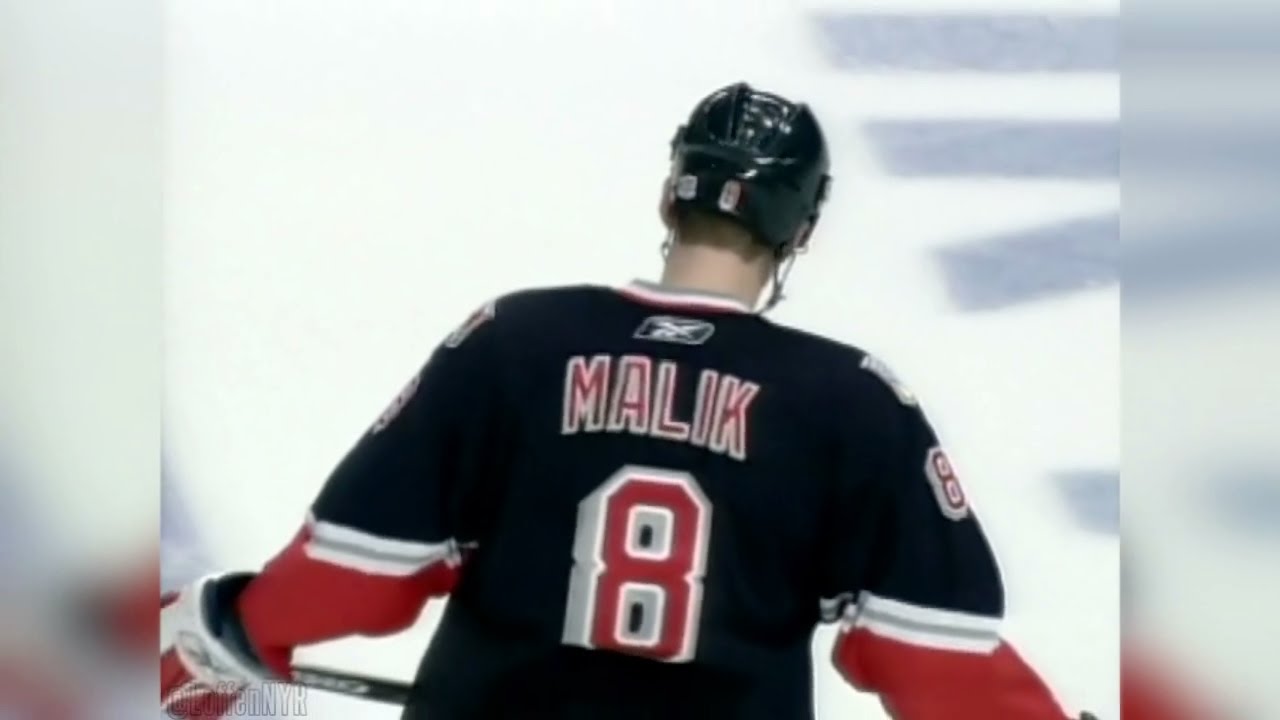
point(393, 523)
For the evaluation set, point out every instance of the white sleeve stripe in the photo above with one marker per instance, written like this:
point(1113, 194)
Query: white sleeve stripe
point(360, 542)
point(870, 617)
point(437, 552)
point(373, 564)
point(939, 620)
point(956, 643)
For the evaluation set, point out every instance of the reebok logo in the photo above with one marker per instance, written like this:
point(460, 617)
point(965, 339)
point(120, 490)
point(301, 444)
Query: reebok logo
point(672, 329)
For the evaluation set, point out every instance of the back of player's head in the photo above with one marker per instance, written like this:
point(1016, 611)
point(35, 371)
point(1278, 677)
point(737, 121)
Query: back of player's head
point(755, 158)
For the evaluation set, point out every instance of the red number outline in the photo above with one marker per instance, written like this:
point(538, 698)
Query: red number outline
point(946, 486)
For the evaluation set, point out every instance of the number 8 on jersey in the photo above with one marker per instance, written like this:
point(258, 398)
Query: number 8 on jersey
point(640, 554)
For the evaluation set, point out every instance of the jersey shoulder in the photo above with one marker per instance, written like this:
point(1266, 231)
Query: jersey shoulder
point(519, 306)
point(530, 318)
point(551, 297)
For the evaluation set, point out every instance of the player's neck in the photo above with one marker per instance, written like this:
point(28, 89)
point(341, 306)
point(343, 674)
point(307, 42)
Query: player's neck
point(714, 271)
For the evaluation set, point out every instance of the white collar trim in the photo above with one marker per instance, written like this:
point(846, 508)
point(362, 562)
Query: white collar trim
point(656, 294)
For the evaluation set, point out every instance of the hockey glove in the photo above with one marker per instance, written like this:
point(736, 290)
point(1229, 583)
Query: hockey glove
point(206, 660)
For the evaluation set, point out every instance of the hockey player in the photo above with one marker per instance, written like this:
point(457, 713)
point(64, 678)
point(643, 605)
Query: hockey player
point(641, 501)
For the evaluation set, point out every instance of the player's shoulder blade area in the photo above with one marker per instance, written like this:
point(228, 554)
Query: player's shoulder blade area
point(824, 354)
point(849, 373)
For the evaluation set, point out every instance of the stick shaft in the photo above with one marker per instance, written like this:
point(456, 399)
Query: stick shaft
point(344, 683)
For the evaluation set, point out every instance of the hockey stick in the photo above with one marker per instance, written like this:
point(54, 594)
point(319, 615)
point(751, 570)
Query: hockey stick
point(380, 690)
point(362, 686)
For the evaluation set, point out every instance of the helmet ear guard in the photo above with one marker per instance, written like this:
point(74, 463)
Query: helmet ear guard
point(666, 204)
point(800, 244)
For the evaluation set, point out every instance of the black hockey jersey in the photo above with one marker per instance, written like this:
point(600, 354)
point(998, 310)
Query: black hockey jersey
point(640, 503)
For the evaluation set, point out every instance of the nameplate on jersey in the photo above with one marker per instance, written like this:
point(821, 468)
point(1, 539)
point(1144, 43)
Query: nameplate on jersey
point(675, 329)
point(642, 395)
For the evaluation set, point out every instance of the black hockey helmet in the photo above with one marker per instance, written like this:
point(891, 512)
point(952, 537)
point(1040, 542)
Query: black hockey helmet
point(755, 157)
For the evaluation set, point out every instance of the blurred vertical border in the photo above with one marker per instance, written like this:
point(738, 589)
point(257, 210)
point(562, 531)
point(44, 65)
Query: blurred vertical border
point(1200, 277)
point(81, 174)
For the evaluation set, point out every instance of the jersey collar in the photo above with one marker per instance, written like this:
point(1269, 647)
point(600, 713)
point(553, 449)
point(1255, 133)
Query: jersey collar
point(652, 293)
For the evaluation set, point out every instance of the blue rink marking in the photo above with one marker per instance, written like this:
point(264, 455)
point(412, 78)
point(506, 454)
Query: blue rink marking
point(1035, 263)
point(1092, 497)
point(971, 42)
point(1244, 498)
point(1065, 150)
point(1202, 254)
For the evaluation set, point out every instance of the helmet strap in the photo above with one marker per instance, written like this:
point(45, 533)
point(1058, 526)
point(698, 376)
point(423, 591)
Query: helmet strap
point(665, 247)
point(781, 270)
